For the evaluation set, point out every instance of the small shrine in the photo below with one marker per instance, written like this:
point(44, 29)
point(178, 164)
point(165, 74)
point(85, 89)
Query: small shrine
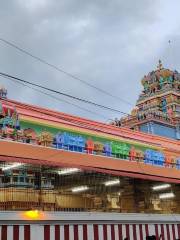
point(157, 110)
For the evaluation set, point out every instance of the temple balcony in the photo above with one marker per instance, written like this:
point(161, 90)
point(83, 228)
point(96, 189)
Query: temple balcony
point(40, 155)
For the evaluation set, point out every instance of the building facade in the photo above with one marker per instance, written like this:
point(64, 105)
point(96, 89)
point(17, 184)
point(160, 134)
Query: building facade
point(66, 177)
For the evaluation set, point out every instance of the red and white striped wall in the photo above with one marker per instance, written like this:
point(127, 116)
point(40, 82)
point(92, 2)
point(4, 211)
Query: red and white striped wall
point(88, 226)
point(89, 231)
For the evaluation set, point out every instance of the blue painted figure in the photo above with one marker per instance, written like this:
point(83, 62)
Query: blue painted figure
point(71, 142)
point(107, 149)
point(158, 158)
point(148, 156)
point(80, 144)
point(57, 141)
point(178, 163)
point(62, 140)
point(65, 140)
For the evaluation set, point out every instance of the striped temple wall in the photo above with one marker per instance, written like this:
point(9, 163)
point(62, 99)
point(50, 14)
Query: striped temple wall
point(89, 231)
point(89, 226)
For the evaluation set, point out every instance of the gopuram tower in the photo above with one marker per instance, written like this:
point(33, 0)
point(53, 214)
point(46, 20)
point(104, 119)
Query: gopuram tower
point(157, 110)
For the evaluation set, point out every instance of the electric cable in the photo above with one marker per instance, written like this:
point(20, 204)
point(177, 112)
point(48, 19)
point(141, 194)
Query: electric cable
point(59, 69)
point(62, 93)
point(59, 99)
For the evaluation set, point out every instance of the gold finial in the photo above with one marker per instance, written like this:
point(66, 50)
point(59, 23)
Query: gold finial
point(160, 66)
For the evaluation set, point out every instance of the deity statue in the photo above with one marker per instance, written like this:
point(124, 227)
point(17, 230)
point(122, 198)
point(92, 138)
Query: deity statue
point(146, 86)
point(161, 82)
point(170, 113)
point(170, 80)
point(45, 139)
point(153, 76)
point(29, 135)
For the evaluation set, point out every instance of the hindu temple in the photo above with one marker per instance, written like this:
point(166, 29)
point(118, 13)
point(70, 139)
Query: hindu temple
point(157, 110)
point(64, 177)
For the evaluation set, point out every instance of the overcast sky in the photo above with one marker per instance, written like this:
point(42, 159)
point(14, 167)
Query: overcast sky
point(110, 44)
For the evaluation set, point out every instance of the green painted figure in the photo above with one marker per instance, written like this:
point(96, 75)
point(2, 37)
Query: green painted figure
point(161, 82)
point(170, 80)
point(125, 150)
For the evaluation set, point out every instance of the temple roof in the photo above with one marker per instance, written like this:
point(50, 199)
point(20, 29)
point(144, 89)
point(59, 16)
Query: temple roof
point(50, 117)
point(159, 81)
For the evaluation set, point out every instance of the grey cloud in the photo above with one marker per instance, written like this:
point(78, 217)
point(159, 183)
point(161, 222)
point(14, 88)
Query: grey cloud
point(111, 44)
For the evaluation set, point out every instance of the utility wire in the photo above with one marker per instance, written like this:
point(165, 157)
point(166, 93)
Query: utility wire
point(59, 69)
point(62, 93)
point(59, 99)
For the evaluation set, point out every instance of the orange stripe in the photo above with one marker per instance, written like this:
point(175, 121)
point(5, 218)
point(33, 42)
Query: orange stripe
point(35, 154)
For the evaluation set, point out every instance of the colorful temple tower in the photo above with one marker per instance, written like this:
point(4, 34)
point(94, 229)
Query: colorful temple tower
point(157, 109)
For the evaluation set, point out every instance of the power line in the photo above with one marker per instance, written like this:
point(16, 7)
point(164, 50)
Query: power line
point(63, 71)
point(62, 93)
point(59, 99)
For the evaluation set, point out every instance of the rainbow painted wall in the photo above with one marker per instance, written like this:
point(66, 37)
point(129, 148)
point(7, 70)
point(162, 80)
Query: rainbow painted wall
point(24, 124)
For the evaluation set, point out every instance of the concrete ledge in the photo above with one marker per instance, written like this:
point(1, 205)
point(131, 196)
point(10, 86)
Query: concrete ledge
point(88, 217)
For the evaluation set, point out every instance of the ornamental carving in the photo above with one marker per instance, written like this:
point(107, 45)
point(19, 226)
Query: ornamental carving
point(45, 139)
